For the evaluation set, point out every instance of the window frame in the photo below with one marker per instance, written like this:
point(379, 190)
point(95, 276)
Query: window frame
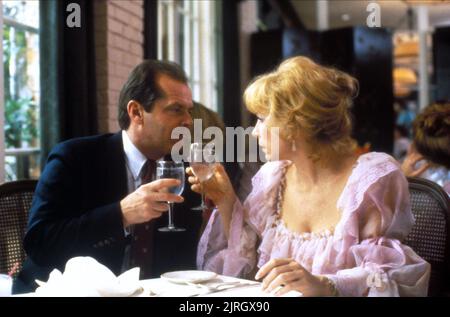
point(17, 152)
point(186, 37)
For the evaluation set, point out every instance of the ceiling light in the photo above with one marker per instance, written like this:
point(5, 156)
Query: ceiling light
point(403, 75)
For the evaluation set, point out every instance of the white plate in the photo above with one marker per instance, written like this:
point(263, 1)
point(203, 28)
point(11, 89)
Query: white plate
point(182, 277)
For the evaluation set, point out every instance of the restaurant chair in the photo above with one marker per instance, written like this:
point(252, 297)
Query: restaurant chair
point(15, 203)
point(430, 235)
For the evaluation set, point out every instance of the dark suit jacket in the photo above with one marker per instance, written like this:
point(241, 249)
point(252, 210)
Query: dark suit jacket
point(76, 212)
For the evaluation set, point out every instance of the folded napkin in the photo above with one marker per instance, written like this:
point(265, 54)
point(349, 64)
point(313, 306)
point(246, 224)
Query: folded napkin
point(85, 277)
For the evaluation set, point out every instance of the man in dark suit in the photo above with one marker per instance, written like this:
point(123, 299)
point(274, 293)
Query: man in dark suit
point(94, 197)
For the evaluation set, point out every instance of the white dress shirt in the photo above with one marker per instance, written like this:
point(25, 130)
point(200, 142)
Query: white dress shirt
point(134, 161)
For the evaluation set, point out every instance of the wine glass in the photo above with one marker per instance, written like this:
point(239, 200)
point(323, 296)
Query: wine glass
point(169, 169)
point(202, 165)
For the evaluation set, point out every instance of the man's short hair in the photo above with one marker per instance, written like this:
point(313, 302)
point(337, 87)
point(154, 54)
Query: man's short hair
point(142, 87)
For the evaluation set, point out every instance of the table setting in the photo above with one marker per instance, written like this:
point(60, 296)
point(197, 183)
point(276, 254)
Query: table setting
point(86, 277)
point(200, 284)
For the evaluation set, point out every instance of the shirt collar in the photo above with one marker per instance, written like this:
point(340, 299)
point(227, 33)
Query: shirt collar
point(134, 158)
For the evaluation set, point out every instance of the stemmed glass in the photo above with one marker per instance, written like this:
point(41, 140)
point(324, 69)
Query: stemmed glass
point(202, 164)
point(169, 169)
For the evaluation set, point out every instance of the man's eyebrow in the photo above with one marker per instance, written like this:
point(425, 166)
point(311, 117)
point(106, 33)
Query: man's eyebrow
point(176, 103)
point(173, 104)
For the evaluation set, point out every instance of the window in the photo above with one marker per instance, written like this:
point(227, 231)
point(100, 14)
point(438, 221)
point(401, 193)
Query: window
point(20, 101)
point(186, 35)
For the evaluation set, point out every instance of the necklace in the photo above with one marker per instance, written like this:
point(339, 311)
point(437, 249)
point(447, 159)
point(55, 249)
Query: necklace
point(281, 189)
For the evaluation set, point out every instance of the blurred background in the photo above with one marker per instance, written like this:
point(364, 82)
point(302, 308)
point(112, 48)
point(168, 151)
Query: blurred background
point(64, 62)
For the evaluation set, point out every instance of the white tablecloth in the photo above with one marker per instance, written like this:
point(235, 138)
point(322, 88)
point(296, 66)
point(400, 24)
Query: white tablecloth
point(159, 287)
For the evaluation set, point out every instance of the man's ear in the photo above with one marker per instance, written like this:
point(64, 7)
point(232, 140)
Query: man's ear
point(135, 112)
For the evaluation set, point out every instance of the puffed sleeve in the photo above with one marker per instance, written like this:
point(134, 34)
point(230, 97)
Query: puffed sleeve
point(236, 256)
point(378, 264)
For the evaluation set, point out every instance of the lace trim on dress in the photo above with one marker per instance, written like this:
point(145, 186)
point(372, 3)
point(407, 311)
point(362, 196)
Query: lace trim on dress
point(302, 236)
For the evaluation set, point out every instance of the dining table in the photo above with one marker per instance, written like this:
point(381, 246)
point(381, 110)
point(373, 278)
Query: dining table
point(215, 286)
point(86, 277)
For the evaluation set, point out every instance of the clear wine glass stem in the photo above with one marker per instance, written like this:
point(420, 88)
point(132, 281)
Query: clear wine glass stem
point(171, 225)
point(203, 201)
point(202, 205)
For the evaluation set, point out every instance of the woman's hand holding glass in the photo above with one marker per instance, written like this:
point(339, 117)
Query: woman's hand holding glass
point(206, 176)
point(212, 181)
point(202, 159)
point(217, 188)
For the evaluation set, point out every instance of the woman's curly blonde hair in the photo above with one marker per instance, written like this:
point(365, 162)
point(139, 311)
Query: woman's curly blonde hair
point(301, 95)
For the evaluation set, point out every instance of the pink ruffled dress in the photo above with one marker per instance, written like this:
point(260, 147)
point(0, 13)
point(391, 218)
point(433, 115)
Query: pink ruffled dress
point(379, 266)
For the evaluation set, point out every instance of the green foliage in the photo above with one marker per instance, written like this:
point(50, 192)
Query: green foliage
point(20, 122)
point(20, 112)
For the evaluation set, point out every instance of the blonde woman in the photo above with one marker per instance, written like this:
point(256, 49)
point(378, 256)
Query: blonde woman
point(319, 220)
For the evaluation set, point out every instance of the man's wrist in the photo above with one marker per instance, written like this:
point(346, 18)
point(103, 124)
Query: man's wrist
point(125, 223)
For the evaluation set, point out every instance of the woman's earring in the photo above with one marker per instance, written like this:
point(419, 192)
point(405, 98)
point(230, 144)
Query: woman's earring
point(293, 146)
